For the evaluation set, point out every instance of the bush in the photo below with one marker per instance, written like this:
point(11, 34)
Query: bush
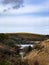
point(8, 63)
point(2, 63)
point(29, 48)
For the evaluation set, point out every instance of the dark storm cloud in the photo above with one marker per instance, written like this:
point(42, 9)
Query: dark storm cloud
point(15, 3)
point(12, 1)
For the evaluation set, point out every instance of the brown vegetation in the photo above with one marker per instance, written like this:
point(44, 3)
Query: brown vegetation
point(37, 57)
point(9, 52)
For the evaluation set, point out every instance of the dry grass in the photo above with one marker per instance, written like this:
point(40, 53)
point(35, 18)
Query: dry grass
point(39, 58)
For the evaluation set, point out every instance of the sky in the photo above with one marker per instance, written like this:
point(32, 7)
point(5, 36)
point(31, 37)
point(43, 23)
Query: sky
point(30, 16)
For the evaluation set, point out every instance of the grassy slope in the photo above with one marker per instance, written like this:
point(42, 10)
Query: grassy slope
point(37, 57)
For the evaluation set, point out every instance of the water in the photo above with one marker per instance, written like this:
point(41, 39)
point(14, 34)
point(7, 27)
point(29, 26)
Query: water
point(21, 54)
point(25, 45)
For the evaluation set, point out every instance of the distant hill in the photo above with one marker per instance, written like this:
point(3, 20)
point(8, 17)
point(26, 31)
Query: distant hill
point(24, 35)
point(27, 35)
point(21, 38)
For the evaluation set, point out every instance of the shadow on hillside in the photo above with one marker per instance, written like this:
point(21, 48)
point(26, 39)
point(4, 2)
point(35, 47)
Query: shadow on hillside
point(36, 63)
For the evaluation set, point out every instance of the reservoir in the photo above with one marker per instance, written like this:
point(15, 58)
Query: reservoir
point(24, 45)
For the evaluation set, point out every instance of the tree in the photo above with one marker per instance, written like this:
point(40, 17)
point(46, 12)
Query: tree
point(29, 48)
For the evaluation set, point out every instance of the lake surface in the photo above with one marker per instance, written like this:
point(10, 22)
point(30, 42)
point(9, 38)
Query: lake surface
point(25, 45)
point(22, 46)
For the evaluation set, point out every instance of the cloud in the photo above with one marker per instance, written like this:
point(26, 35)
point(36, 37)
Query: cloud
point(13, 3)
point(24, 24)
point(24, 21)
point(35, 2)
point(13, 19)
point(39, 30)
point(13, 7)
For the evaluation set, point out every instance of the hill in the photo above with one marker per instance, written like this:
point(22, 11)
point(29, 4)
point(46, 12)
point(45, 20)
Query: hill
point(39, 57)
point(11, 39)
point(26, 35)
point(9, 52)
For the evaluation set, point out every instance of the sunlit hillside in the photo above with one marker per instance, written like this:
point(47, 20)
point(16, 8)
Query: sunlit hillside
point(10, 51)
point(39, 57)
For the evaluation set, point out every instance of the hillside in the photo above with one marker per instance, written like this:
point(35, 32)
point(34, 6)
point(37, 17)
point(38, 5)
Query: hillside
point(26, 35)
point(39, 57)
point(10, 53)
point(21, 37)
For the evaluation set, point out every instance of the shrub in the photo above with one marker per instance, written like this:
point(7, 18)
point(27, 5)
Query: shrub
point(8, 63)
point(29, 48)
point(2, 63)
